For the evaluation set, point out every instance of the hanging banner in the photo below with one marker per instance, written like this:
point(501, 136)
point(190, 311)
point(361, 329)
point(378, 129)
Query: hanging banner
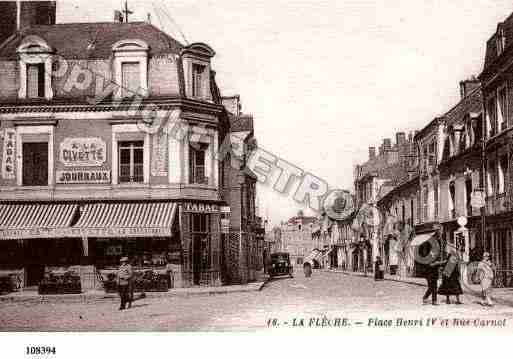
point(8, 155)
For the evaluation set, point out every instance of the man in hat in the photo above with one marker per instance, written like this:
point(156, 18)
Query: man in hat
point(125, 274)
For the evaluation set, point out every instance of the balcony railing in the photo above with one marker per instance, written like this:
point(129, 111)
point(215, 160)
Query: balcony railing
point(125, 176)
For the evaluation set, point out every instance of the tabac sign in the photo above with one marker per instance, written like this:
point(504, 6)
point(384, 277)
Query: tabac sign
point(8, 153)
point(82, 152)
point(200, 207)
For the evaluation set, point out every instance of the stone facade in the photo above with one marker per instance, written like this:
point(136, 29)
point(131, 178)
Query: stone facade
point(85, 138)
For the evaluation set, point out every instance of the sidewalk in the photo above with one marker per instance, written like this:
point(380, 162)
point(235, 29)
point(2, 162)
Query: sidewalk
point(95, 295)
point(502, 296)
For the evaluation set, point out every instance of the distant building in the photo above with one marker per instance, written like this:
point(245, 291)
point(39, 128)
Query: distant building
point(296, 237)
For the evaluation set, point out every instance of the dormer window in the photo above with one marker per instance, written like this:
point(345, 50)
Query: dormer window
point(500, 41)
point(36, 81)
point(130, 68)
point(197, 80)
point(196, 66)
point(35, 61)
point(130, 78)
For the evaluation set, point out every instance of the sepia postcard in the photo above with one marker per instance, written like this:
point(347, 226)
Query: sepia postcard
point(291, 167)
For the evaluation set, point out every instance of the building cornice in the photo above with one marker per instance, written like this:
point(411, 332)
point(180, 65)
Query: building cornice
point(162, 103)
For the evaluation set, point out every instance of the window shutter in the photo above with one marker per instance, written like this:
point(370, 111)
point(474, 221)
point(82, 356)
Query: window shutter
point(32, 81)
point(130, 75)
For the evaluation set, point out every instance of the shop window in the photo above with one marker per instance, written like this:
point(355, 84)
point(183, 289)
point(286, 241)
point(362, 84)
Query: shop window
point(35, 164)
point(197, 155)
point(131, 161)
point(197, 80)
point(36, 80)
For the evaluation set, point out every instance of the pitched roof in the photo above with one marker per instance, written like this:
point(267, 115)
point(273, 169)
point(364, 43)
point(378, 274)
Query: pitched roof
point(71, 40)
point(491, 45)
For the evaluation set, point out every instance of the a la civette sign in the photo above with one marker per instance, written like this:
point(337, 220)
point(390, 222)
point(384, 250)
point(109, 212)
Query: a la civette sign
point(82, 152)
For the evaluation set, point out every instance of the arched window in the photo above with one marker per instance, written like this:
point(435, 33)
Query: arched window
point(35, 60)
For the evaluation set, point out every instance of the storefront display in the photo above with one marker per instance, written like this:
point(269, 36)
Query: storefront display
point(60, 281)
point(10, 282)
point(145, 280)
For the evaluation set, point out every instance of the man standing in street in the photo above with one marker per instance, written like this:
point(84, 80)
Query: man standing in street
point(428, 263)
point(124, 277)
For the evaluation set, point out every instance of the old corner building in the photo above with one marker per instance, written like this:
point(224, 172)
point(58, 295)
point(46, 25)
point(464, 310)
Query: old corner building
point(87, 177)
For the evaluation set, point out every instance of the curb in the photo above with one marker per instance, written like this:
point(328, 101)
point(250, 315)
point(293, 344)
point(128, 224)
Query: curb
point(498, 300)
point(92, 297)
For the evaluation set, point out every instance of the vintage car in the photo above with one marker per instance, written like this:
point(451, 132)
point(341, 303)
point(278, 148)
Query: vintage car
point(280, 265)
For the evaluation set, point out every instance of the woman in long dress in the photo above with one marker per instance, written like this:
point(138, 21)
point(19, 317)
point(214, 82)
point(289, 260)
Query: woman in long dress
point(486, 271)
point(451, 280)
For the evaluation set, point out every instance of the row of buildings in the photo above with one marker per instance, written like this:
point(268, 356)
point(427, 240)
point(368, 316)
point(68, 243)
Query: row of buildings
point(458, 165)
point(117, 141)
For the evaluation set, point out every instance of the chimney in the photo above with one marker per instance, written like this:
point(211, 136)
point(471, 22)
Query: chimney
point(387, 144)
point(8, 20)
point(232, 104)
point(400, 138)
point(372, 153)
point(36, 13)
point(467, 86)
point(118, 16)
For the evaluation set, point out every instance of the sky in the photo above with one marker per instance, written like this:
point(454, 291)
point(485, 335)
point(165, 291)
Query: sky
point(326, 79)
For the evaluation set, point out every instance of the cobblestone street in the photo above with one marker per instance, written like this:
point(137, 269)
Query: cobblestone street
point(326, 294)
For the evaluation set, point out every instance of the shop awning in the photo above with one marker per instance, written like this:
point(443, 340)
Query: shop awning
point(421, 238)
point(23, 220)
point(134, 219)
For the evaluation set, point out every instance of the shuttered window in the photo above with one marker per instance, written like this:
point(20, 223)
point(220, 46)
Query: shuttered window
point(131, 78)
point(197, 153)
point(35, 164)
point(35, 80)
point(197, 80)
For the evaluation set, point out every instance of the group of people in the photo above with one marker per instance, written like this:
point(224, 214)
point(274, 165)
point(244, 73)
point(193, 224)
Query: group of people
point(451, 279)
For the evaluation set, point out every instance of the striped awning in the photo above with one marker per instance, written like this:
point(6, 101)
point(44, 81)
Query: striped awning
point(127, 219)
point(25, 216)
point(23, 220)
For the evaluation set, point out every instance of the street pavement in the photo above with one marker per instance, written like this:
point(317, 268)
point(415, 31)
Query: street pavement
point(326, 301)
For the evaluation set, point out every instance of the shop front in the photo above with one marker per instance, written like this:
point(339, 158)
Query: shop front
point(176, 243)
